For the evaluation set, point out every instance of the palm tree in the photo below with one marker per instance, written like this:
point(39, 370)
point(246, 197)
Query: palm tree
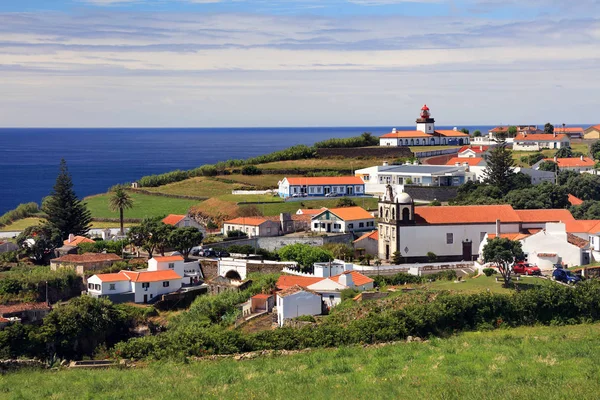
point(120, 200)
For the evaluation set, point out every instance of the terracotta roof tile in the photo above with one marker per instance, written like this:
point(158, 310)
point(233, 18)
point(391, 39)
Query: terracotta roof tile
point(309, 211)
point(152, 276)
point(572, 162)
point(471, 161)
point(510, 236)
point(358, 278)
point(371, 235)
point(261, 296)
point(540, 137)
point(87, 258)
point(250, 221)
point(574, 200)
point(577, 241)
point(476, 149)
point(406, 135)
point(583, 226)
point(451, 133)
point(466, 214)
point(173, 219)
point(116, 277)
point(325, 180)
point(20, 307)
point(77, 240)
point(550, 215)
point(349, 213)
point(287, 281)
point(168, 258)
point(294, 289)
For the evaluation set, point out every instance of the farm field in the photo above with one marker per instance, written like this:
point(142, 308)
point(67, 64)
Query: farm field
point(521, 363)
point(144, 205)
point(263, 180)
point(21, 224)
point(322, 163)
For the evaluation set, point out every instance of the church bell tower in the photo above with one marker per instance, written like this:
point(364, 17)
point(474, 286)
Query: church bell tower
point(395, 211)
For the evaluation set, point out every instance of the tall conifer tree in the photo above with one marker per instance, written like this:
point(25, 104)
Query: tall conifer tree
point(65, 211)
point(500, 167)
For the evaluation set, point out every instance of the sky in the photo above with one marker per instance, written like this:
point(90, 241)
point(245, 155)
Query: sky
point(231, 63)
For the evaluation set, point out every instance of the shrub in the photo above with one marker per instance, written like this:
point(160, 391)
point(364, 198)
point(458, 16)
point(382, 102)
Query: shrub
point(306, 318)
point(431, 256)
point(489, 271)
point(236, 234)
point(251, 170)
point(364, 140)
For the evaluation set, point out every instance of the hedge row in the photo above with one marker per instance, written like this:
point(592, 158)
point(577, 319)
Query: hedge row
point(22, 211)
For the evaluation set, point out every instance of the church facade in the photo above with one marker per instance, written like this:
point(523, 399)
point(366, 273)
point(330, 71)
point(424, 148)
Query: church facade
point(425, 134)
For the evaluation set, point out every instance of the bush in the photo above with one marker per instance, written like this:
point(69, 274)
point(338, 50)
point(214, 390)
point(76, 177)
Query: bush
point(251, 170)
point(236, 234)
point(364, 140)
point(431, 256)
point(306, 318)
point(489, 271)
point(22, 211)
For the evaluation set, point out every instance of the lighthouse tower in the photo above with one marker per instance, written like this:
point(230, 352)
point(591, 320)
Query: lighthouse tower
point(425, 123)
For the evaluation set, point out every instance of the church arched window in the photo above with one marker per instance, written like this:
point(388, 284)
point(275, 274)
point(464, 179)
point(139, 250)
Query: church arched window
point(417, 141)
point(405, 214)
point(380, 212)
point(393, 213)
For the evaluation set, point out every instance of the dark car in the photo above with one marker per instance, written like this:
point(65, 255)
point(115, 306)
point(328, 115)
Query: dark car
point(222, 254)
point(565, 276)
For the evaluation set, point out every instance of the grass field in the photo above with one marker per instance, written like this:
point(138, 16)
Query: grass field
point(321, 163)
point(143, 206)
point(548, 153)
point(522, 363)
point(200, 187)
point(21, 224)
point(263, 180)
point(483, 283)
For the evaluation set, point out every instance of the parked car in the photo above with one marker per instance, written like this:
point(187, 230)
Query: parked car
point(222, 254)
point(331, 194)
point(565, 276)
point(525, 268)
point(296, 195)
point(206, 253)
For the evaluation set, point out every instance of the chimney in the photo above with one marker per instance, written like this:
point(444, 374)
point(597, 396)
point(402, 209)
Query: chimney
point(385, 163)
point(71, 237)
point(581, 157)
point(498, 230)
point(393, 130)
point(457, 164)
point(346, 280)
point(555, 159)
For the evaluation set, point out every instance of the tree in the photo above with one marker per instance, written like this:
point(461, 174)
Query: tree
point(595, 150)
point(512, 131)
point(120, 200)
point(477, 133)
point(548, 166)
point(39, 242)
point(345, 202)
point(304, 254)
point(151, 235)
point(567, 152)
point(519, 181)
point(65, 211)
point(251, 170)
point(341, 251)
point(503, 253)
point(500, 166)
point(431, 256)
point(184, 239)
point(549, 128)
point(544, 195)
point(533, 158)
point(563, 176)
point(236, 233)
point(584, 186)
point(465, 130)
point(397, 258)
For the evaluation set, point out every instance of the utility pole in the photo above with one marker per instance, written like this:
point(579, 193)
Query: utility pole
point(47, 302)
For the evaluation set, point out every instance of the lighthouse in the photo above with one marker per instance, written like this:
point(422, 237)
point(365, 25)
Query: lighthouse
point(425, 123)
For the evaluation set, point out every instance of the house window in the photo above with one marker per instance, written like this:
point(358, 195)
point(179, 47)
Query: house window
point(268, 230)
point(350, 226)
point(331, 297)
point(112, 287)
point(295, 190)
point(91, 286)
point(171, 265)
point(322, 225)
point(316, 224)
point(186, 223)
point(145, 285)
point(449, 238)
point(337, 226)
point(166, 284)
point(361, 224)
point(370, 223)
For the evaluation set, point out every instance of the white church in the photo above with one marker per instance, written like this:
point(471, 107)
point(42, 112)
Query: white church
point(425, 134)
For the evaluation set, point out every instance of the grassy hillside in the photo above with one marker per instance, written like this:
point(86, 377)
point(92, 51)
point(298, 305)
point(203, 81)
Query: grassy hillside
point(523, 363)
point(143, 206)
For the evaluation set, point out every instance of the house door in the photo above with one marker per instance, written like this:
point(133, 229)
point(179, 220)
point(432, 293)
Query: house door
point(387, 251)
point(467, 250)
point(349, 190)
point(326, 189)
point(145, 298)
point(328, 227)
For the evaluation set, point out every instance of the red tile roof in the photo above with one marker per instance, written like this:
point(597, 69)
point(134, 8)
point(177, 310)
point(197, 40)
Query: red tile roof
point(173, 219)
point(574, 129)
point(77, 240)
point(325, 180)
point(20, 307)
point(451, 133)
point(309, 211)
point(596, 127)
point(152, 276)
point(358, 278)
point(550, 215)
point(471, 161)
point(476, 149)
point(348, 213)
point(261, 296)
point(406, 135)
point(168, 258)
point(583, 226)
point(540, 137)
point(577, 241)
point(287, 281)
point(250, 221)
point(466, 214)
point(370, 235)
point(294, 289)
point(116, 277)
point(87, 258)
point(572, 162)
point(510, 236)
point(575, 201)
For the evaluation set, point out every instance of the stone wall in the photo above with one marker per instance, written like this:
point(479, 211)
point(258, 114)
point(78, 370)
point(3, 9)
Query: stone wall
point(430, 193)
point(209, 268)
point(277, 242)
point(376, 152)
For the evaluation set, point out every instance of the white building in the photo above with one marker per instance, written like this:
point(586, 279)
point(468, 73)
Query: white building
point(189, 271)
point(139, 287)
point(549, 246)
point(378, 177)
point(577, 164)
point(540, 141)
point(321, 186)
point(472, 151)
point(588, 230)
point(452, 233)
point(343, 220)
point(296, 301)
point(425, 134)
point(182, 221)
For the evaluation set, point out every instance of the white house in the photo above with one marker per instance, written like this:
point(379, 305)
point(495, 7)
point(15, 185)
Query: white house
point(253, 226)
point(321, 186)
point(577, 164)
point(343, 220)
point(367, 244)
point(182, 221)
point(296, 301)
point(549, 246)
point(425, 134)
point(472, 151)
point(189, 271)
point(588, 230)
point(540, 141)
point(139, 287)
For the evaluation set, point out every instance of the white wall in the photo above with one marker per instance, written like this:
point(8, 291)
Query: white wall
point(227, 264)
point(154, 289)
point(155, 265)
point(297, 304)
point(422, 239)
point(388, 142)
point(552, 240)
point(120, 286)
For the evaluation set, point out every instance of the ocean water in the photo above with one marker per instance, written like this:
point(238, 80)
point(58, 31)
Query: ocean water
point(100, 158)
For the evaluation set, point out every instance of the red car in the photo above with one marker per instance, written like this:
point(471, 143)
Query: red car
point(525, 268)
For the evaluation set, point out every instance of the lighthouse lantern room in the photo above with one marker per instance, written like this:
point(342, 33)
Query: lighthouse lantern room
point(425, 123)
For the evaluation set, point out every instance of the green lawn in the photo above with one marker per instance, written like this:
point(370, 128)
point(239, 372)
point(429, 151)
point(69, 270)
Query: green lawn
point(199, 187)
point(522, 363)
point(252, 198)
point(143, 206)
point(293, 206)
point(483, 283)
point(21, 224)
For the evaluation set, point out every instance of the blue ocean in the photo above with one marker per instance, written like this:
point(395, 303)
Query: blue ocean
point(100, 158)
